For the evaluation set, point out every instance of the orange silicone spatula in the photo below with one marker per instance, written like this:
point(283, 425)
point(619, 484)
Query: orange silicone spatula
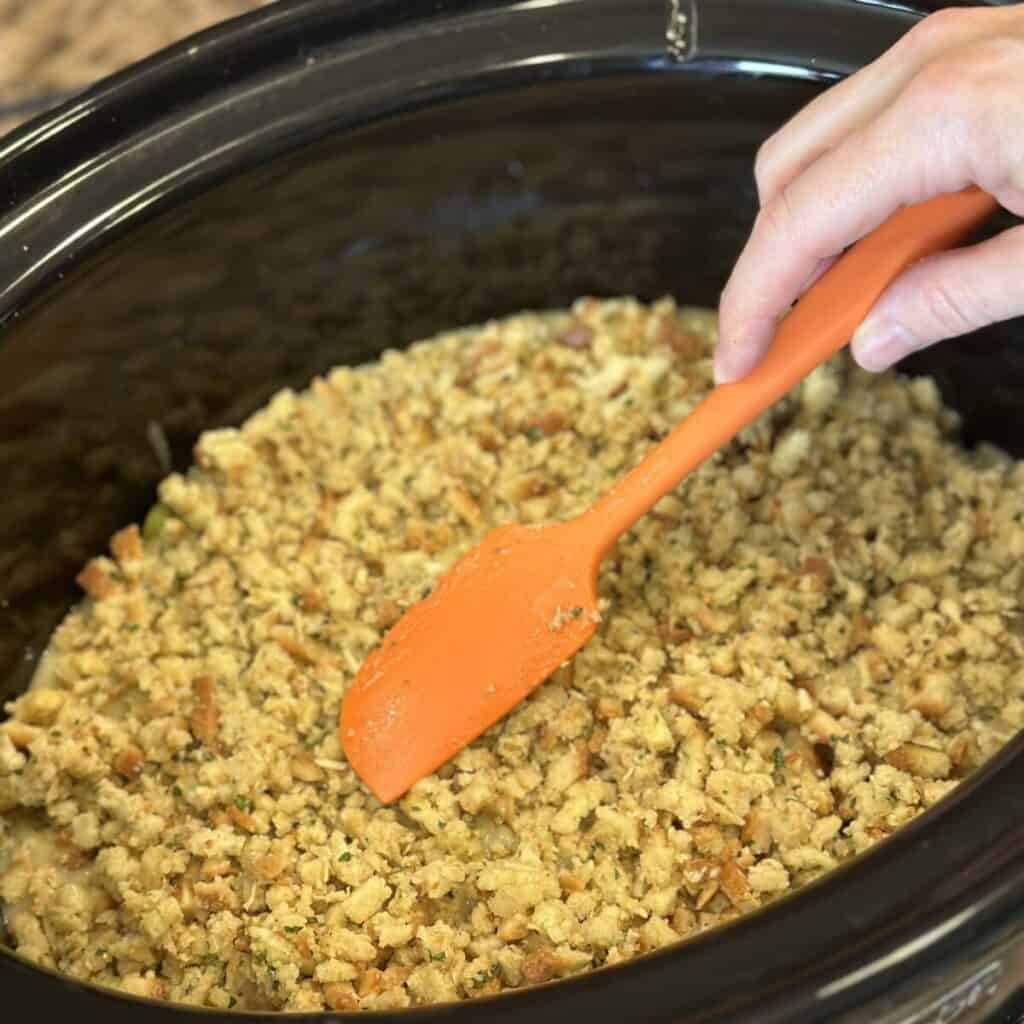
point(522, 602)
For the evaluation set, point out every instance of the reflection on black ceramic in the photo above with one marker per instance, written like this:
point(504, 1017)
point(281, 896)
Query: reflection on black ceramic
point(153, 284)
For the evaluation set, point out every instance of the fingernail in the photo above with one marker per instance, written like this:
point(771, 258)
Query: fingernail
point(877, 345)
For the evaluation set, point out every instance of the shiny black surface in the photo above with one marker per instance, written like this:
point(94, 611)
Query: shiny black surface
point(322, 180)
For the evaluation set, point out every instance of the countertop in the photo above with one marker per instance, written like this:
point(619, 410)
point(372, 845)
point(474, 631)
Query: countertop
point(52, 47)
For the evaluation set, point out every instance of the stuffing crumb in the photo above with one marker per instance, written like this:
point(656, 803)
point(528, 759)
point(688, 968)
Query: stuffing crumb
point(812, 640)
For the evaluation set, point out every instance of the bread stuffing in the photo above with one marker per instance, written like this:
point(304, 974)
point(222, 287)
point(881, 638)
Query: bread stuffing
point(811, 641)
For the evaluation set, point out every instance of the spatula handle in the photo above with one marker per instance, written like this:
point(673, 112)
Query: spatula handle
point(820, 324)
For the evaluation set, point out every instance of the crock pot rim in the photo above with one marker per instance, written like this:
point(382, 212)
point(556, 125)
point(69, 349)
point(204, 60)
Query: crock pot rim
point(51, 160)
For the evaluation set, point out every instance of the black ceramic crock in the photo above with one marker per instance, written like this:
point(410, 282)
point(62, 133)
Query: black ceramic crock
point(312, 183)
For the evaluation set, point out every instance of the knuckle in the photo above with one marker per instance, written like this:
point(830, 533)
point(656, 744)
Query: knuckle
point(989, 154)
point(777, 217)
point(939, 28)
point(764, 170)
point(943, 85)
point(971, 77)
point(990, 73)
point(947, 307)
point(964, 97)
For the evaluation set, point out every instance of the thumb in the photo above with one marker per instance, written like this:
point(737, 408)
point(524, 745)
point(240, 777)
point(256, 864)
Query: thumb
point(944, 296)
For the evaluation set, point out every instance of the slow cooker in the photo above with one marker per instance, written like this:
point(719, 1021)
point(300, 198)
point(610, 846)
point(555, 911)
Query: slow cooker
point(314, 182)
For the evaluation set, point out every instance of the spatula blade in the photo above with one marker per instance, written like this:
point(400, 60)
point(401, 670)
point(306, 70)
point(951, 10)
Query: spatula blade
point(524, 600)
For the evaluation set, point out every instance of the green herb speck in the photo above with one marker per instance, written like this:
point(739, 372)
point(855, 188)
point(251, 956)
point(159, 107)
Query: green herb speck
point(176, 790)
point(154, 523)
point(243, 803)
point(438, 957)
point(777, 758)
point(345, 857)
point(291, 929)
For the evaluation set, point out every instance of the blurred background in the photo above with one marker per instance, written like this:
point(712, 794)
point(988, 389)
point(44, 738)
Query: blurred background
point(49, 48)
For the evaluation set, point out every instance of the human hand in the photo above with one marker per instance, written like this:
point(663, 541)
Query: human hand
point(941, 110)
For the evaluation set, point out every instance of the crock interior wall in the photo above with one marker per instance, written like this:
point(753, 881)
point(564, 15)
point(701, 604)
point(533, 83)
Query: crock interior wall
point(444, 216)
